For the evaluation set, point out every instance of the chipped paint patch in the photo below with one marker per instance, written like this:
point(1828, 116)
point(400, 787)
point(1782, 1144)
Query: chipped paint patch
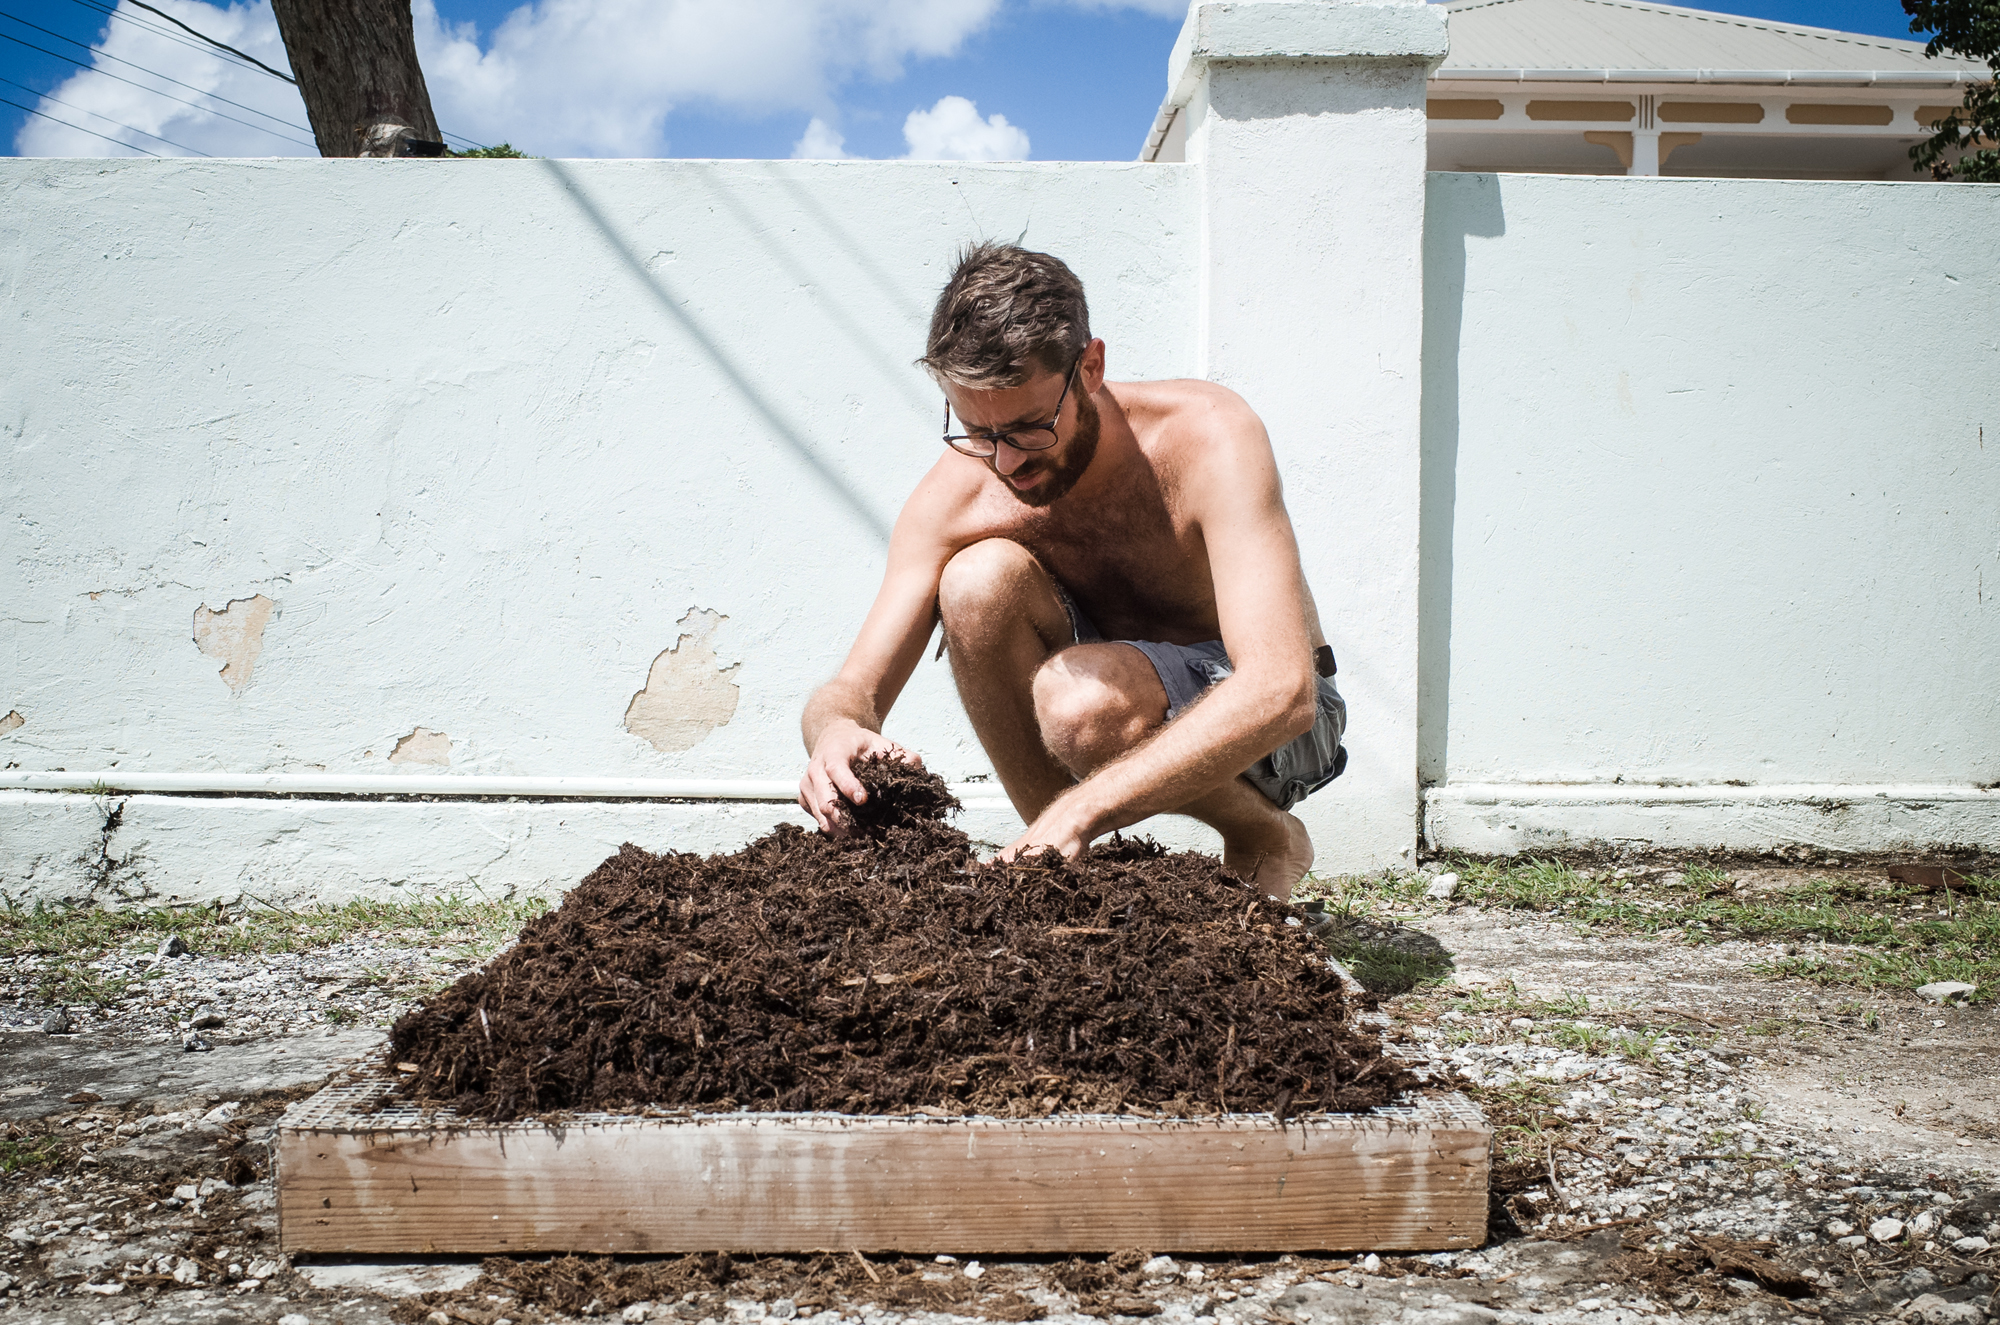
point(11, 721)
point(235, 635)
point(687, 694)
point(423, 746)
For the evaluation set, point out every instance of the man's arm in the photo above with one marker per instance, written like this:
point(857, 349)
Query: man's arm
point(1261, 602)
point(843, 719)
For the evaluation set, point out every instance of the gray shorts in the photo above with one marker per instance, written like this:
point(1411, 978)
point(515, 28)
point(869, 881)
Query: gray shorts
point(1289, 773)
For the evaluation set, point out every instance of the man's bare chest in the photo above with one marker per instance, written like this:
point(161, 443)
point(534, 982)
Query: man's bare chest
point(1135, 571)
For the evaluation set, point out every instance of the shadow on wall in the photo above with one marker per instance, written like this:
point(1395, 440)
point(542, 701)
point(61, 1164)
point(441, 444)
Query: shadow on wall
point(677, 312)
point(1457, 208)
point(800, 271)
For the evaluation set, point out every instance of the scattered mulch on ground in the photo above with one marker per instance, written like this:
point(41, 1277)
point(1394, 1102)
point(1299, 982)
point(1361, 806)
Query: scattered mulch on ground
point(1109, 1287)
point(888, 972)
point(1685, 1269)
point(569, 1285)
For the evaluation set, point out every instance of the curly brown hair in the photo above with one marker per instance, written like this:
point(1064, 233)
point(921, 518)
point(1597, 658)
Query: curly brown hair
point(1004, 311)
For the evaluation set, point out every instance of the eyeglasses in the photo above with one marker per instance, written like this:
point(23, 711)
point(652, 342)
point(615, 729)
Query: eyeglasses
point(1024, 437)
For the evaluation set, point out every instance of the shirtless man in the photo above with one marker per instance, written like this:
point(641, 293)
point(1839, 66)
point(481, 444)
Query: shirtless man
point(1103, 555)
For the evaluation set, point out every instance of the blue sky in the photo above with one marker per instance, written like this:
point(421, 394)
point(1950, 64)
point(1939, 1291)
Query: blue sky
point(1074, 79)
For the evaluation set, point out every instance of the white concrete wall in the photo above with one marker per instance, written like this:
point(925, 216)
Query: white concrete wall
point(397, 469)
point(1312, 212)
point(1712, 497)
point(484, 434)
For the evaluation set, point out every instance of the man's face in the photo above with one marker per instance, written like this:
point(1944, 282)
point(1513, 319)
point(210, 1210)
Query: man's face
point(1036, 478)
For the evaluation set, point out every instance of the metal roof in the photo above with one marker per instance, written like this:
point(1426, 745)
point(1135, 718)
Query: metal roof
point(1614, 39)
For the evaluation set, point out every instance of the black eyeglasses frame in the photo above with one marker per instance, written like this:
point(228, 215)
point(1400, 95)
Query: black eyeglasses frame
point(965, 442)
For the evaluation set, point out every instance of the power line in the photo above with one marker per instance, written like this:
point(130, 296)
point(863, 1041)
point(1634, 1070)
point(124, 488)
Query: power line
point(132, 147)
point(218, 45)
point(142, 69)
point(91, 69)
point(153, 29)
point(106, 118)
point(177, 82)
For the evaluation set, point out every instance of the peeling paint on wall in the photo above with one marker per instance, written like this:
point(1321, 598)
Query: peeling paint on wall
point(687, 695)
point(423, 746)
point(235, 635)
point(11, 721)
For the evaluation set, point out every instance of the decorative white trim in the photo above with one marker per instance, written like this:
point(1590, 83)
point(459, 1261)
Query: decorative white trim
point(1518, 818)
point(441, 785)
point(1912, 78)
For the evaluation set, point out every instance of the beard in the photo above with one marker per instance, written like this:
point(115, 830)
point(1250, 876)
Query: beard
point(1063, 473)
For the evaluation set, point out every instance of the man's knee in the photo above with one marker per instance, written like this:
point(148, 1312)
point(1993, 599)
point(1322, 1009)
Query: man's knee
point(1096, 701)
point(983, 576)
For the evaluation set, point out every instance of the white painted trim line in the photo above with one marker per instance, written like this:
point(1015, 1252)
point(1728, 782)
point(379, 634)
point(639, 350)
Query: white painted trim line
point(1748, 77)
point(1507, 819)
point(1626, 793)
point(446, 785)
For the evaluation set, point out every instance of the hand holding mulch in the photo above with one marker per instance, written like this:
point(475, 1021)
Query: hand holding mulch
point(889, 972)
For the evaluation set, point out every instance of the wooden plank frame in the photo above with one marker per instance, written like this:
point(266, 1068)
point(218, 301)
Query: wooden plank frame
point(1407, 1177)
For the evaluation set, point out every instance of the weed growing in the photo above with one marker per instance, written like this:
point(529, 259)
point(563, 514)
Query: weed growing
point(1524, 1118)
point(29, 1154)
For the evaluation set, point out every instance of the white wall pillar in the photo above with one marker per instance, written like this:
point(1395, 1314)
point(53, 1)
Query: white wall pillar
point(1645, 152)
point(1306, 118)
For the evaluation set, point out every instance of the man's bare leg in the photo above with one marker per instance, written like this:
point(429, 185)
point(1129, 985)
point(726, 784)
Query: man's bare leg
point(1002, 620)
point(1094, 702)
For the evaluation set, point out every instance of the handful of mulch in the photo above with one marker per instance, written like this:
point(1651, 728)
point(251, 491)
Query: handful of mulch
point(890, 972)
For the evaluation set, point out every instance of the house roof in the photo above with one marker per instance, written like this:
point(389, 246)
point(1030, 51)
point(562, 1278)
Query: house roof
point(1628, 40)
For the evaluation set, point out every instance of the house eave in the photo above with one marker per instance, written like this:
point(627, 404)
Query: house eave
point(1887, 78)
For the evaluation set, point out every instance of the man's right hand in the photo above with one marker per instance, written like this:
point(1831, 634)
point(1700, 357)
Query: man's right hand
point(830, 774)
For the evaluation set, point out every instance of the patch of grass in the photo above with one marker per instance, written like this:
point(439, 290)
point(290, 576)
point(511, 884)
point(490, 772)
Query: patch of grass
point(75, 984)
point(70, 938)
point(472, 923)
point(1975, 961)
point(1388, 968)
point(1523, 1115)
point(1640, 1047)
point(1363, 896)
point(1589, 1038)
point(1873, 935)
point(29, 1154)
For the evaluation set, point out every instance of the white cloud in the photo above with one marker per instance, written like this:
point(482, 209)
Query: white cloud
point(101, 103)
point(821, 142)
point(953, 131)
point(599, 77)
point(557, 77)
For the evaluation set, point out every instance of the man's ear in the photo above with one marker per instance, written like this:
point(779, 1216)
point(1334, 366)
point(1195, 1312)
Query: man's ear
point(1091, 375)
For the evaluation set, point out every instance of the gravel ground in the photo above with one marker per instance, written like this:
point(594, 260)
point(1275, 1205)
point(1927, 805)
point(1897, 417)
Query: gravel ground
point(224, 1000)
point(1666, 1155)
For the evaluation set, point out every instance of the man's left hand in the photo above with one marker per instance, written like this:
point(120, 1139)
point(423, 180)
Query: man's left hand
point(1052, 829)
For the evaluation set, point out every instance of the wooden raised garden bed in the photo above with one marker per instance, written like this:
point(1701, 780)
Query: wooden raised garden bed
point(399, 1181)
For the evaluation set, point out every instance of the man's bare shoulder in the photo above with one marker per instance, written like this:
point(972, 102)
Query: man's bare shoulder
point(953, 504)
point(1187, 422)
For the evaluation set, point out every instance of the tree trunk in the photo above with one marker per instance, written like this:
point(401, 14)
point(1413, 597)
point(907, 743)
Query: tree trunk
point(356, 62)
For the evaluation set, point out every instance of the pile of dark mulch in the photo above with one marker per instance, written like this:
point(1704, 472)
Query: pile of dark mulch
point(889, 971)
